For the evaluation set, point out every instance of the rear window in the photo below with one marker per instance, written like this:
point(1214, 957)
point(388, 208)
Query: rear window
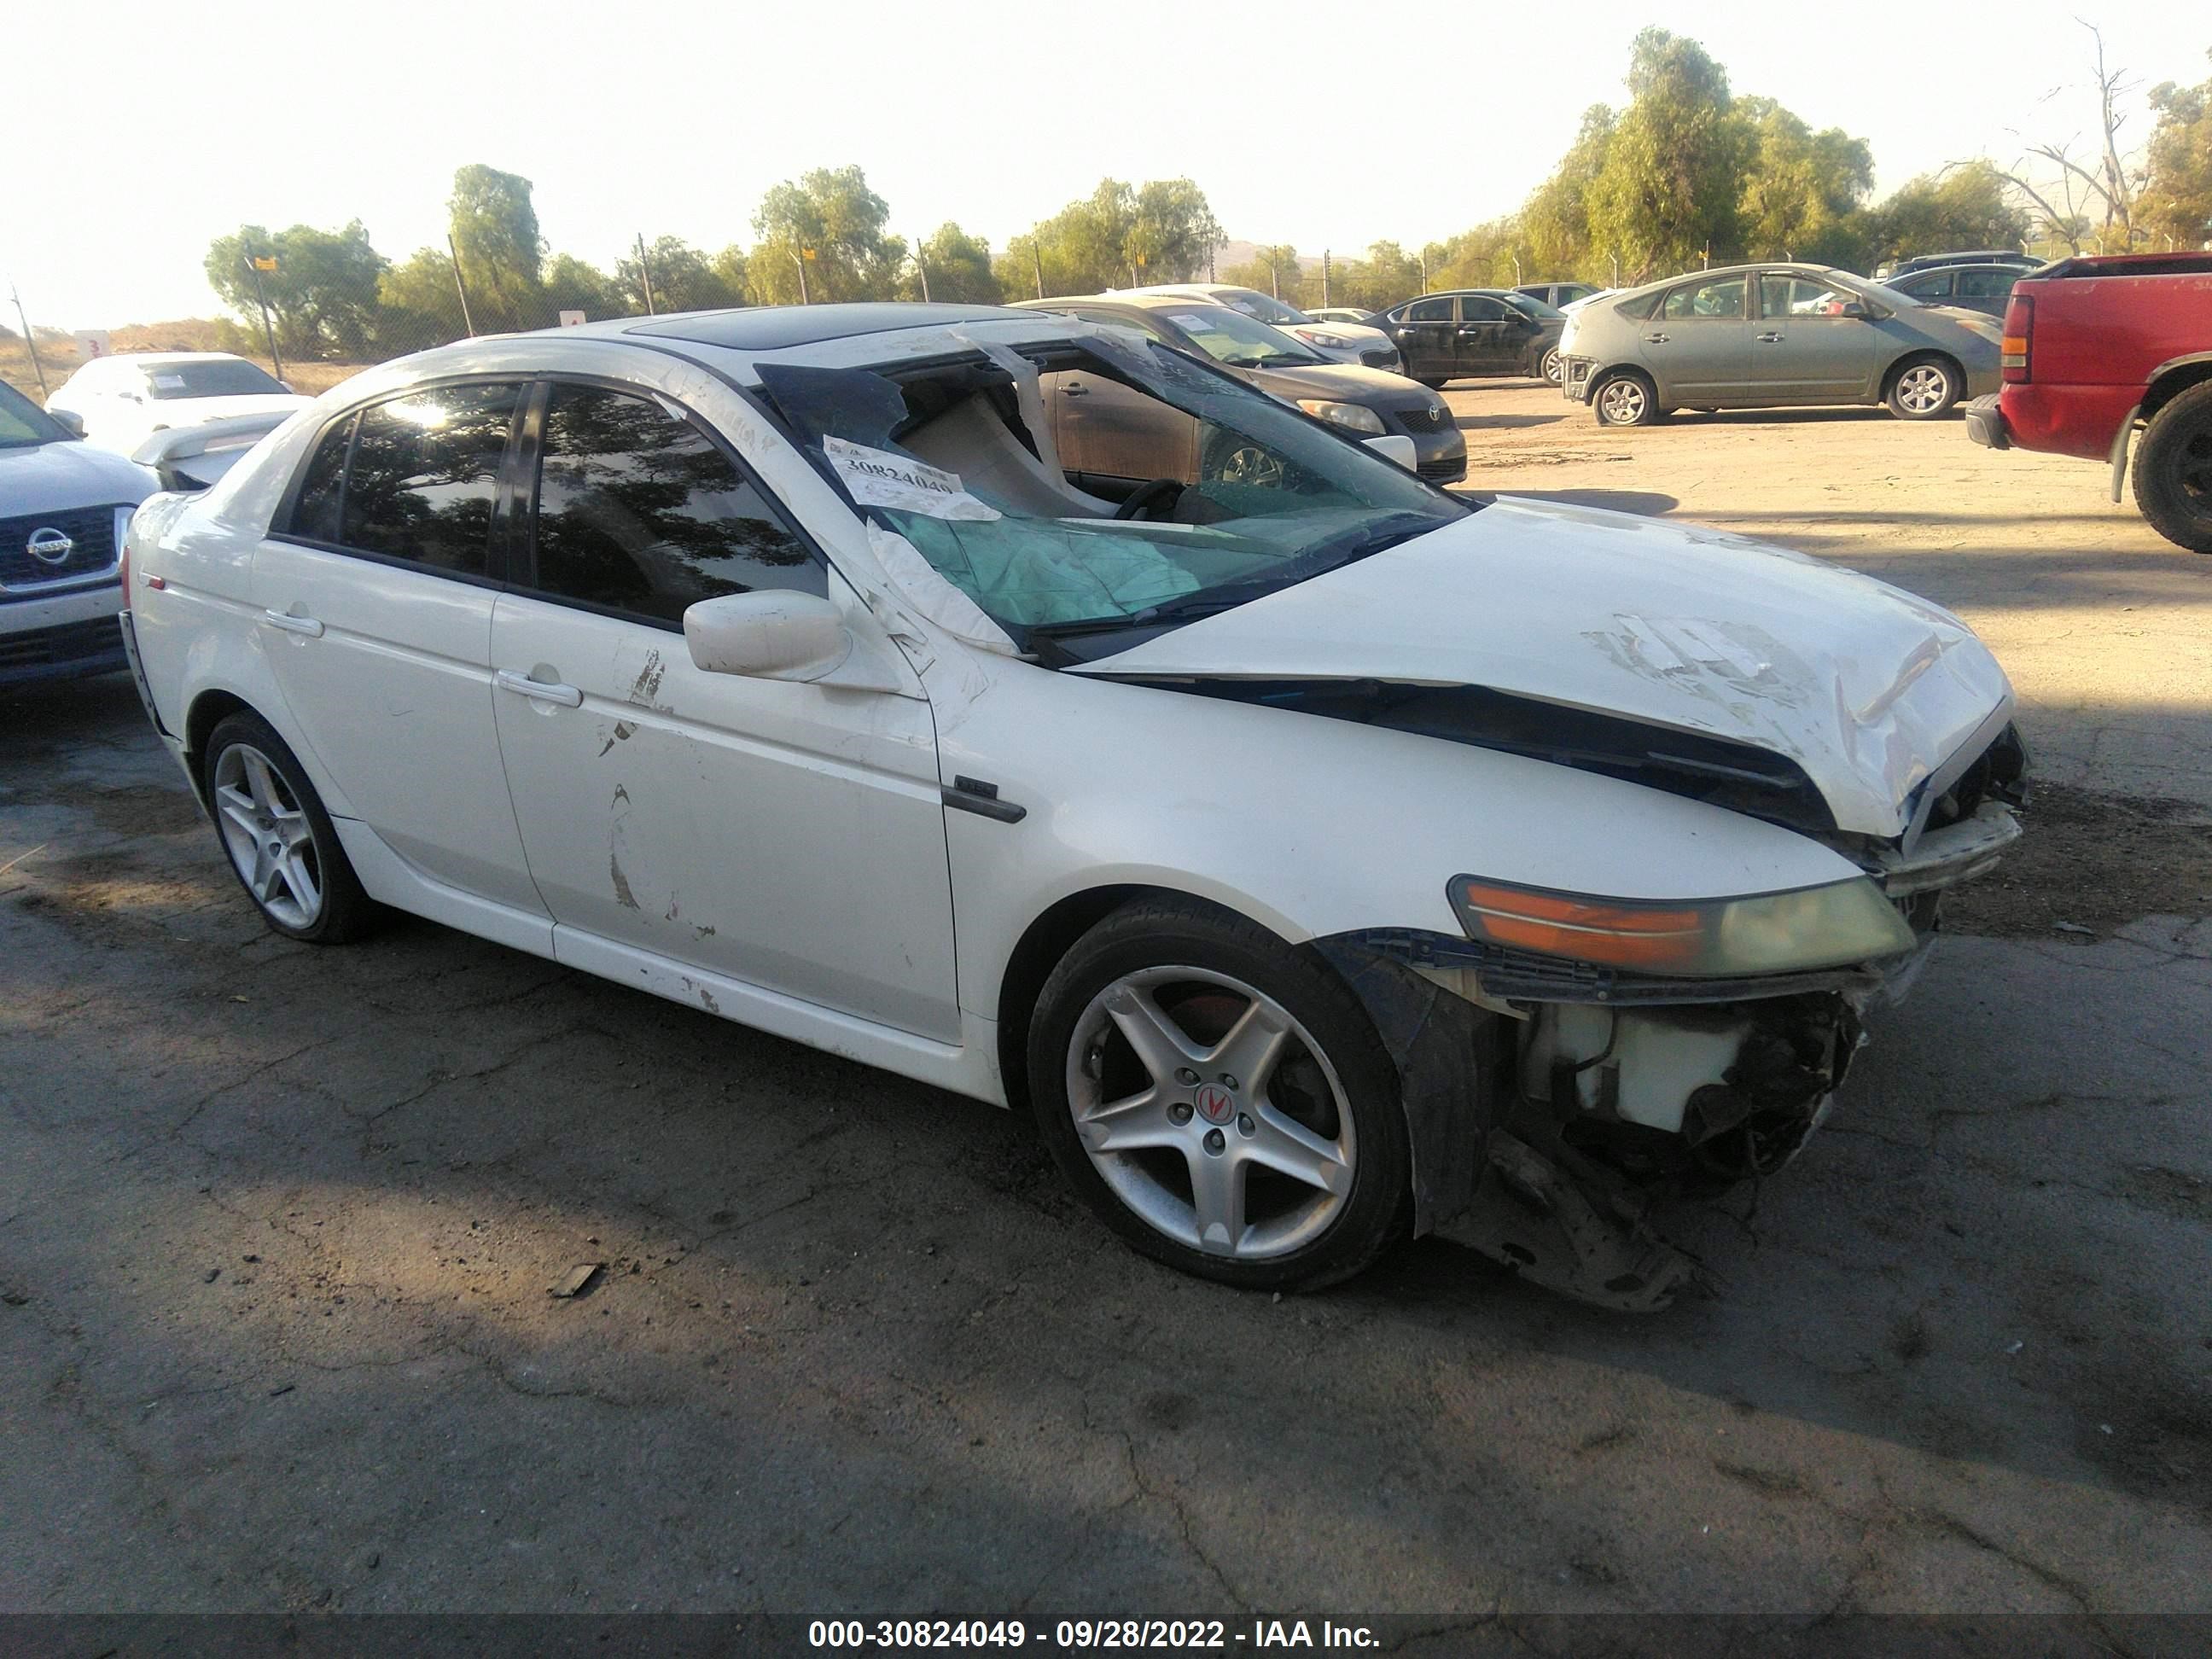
point(235, 378)
point(424, 474)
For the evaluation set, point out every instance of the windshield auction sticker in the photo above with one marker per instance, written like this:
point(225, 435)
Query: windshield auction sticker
point(879, 478)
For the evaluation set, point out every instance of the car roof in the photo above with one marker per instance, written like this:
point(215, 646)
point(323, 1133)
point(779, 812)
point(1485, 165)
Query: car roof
point(773, 328)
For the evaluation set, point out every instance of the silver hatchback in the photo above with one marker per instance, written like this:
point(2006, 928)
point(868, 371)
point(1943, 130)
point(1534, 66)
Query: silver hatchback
point(1755, 337)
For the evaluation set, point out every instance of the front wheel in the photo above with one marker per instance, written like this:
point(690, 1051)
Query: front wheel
point(1548, 367)
point(1220, 1100)
point(278, 838)
point(2174, 471)
point(1923, 390)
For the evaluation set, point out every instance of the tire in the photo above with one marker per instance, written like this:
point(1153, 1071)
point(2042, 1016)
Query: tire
point(1195, 1173)
point(1924, 388)
point(278, 840)
point(2174, 471)
point(1624, 397)
point(1237, 460)
point(1433, 384)
point(1547, 366)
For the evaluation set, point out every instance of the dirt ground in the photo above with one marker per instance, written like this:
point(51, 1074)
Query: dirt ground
point(277, 1226)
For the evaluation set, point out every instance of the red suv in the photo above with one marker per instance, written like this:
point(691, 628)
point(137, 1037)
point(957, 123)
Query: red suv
point(2097, 348)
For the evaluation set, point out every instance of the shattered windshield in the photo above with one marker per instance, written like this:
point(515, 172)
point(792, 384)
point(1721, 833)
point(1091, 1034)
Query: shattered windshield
point(1086, 490)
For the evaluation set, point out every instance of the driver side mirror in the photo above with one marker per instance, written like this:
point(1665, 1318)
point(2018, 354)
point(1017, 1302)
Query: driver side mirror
point(774, 635)
point(1396, 446)
point(69, 420)
point(1857, 309)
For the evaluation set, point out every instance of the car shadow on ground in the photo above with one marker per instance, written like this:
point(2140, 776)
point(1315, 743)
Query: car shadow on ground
point(1504, 422)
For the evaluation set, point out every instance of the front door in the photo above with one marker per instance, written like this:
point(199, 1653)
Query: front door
point(1698, 344)
point(1109, 431)
point(1806, 351)
point(1489, 335)
point(784, 835)
point(376, 599)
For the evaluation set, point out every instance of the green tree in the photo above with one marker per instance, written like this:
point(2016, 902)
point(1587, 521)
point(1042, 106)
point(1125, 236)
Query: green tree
point(832, 222)
point(573, 284)
point(1116, 237)
point(1960, 208)
point(322, 296)
point(958, 268)
point(1667, 196)
point(416, 306)
point(1387, 274)
point(1172, 232)
point(1799, 186)
point(1555, 219)
point(494, 230)
point(684, 279)
point(1275, 270)
point(2176, 205)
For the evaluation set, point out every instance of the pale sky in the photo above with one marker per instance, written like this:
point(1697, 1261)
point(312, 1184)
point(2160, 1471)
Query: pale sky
point(153, 128)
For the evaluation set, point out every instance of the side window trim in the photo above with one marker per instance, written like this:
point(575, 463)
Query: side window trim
point(538, 396)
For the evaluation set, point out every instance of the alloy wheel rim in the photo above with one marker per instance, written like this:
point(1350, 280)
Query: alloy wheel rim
point(1923, 388)
point(266, 832)
point(1621, 402)
point(1550, 366)
point(1211, 1112)
point(1249, 464)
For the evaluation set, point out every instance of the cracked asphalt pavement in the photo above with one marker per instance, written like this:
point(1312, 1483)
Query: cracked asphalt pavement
point(278, 1227)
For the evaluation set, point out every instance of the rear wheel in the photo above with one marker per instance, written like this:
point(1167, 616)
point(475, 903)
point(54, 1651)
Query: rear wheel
point(2174, 471)
point(1431, 382)
point(1548, 368)
point(1625, 398)
point(278, 838)
point(1221, 1100)
point(1923, 389)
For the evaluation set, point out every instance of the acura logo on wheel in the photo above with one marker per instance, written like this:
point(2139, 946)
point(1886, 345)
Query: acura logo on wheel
point(1215, 1105)
point(48, 545)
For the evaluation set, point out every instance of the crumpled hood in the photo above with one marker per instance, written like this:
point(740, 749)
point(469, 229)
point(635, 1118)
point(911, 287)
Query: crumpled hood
point(1866, 687)
point(59, 477)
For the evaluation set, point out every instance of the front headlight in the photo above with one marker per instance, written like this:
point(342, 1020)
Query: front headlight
point(1350, 416)
point(1831, 926)
point(1316, 337)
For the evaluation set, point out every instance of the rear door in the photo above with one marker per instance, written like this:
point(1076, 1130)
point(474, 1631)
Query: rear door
point(376, 601)
point(1426, 330)
point(1698, 343)
point(789, 835)
point(1985, 288)
point(1805, 349)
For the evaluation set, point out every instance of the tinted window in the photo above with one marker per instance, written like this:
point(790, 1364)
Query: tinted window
point(1429, 310)
point(215, 377)
point(1987, 283)
point(1721, 300)
point(1475, 308)
point(22, 421)
point(315, 509)
point(1928, 287)
point(424, 474)
point(639, 512)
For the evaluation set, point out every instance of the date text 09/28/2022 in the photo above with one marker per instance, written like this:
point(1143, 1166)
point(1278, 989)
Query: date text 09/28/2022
point(1085, 1634)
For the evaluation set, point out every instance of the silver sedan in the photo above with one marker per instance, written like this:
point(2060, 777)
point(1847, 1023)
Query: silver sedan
point(1755, 337)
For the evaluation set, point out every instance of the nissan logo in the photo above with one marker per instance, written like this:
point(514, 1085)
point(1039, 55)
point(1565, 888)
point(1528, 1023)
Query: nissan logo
point(48, 545)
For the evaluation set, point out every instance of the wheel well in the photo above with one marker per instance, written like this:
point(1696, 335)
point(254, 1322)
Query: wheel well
point(1957, 368)
point(1623, 372)
point(208, 710)
point(2172, 384)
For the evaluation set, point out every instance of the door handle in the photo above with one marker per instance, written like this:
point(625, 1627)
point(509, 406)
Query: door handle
point(1074, 389)
point(1771, 339)
point(544, 691)
point(1657, 339)
point(294, 624)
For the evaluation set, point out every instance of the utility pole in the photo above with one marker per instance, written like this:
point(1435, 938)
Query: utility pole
point(460, 287)
point(255, 265)
point(923, 271)
point(645, 277)
point(1036, 260)
point(1275, 272)
point(799, 258)
point(29, 345)
point(1424, 271)
point(1324, 276)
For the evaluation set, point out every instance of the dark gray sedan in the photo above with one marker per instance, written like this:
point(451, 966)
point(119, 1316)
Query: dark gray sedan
point(1757, 337)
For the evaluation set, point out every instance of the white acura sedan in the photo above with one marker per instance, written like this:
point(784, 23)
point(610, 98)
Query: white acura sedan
point(1318, 856)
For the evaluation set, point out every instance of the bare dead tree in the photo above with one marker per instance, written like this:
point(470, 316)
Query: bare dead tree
point(2108, 183)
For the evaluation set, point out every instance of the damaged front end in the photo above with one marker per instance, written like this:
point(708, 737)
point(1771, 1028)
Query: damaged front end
point(1597, 1091)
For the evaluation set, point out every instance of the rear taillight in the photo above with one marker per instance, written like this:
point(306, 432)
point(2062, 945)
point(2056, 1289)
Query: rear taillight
point(2018, 329)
